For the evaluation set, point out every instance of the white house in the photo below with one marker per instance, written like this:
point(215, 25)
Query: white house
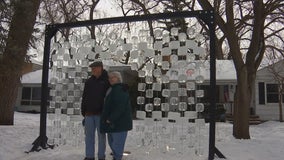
point(225, 80)
point(266, 92)
point(29, 92)
point(265, 104)
point(29, 95)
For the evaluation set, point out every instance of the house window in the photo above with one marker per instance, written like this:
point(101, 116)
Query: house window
point(272, 93)
point(261, 93)
point(31, 96)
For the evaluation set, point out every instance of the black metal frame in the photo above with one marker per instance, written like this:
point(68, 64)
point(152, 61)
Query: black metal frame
point(206, 16)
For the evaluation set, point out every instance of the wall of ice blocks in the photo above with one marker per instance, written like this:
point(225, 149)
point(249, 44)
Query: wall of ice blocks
point(169, 102)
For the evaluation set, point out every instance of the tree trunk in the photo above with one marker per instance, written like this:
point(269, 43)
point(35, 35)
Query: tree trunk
point(242, 105)
point(9, 89)
point(11, 63)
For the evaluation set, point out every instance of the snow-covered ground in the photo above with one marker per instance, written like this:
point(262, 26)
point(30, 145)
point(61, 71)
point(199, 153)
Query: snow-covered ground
point(266, 143)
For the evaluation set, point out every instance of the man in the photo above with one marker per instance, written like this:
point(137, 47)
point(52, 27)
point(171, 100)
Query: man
point(91, 108)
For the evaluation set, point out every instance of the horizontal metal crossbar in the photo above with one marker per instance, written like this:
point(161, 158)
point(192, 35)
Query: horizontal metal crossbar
point(206, 16)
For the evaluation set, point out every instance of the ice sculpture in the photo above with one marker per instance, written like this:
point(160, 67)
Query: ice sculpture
point(168, 101)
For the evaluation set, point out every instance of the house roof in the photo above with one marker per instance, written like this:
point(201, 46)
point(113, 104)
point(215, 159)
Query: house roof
point(225, 71)
point(33, 77)
point(36, 78)
point(266, 73)
point(279, 64)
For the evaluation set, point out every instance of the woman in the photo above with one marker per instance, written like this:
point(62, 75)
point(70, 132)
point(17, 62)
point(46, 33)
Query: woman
point(116, 119)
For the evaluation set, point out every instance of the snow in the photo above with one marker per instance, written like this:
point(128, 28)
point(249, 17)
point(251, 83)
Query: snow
point(34, 77)
point(266, 143)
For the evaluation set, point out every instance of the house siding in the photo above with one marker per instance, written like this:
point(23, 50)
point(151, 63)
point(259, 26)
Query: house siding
point(266, 111)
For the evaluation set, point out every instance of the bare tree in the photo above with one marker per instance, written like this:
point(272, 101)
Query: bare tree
point(245, 30)
point(11, 63)
point(91, 17)
point(63, 11)
point(248, 27)
point(5, 19)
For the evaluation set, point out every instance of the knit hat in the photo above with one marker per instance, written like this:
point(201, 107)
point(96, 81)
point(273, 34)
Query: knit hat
point(96, 64)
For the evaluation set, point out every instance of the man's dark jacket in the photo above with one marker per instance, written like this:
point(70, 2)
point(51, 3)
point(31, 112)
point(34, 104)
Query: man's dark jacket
point(94, 94)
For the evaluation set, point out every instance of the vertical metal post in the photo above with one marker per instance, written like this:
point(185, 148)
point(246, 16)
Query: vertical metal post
point(212, 109)
point(44, 83)
point(41, 141)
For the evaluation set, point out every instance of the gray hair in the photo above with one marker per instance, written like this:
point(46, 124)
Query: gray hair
point(117, 75)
